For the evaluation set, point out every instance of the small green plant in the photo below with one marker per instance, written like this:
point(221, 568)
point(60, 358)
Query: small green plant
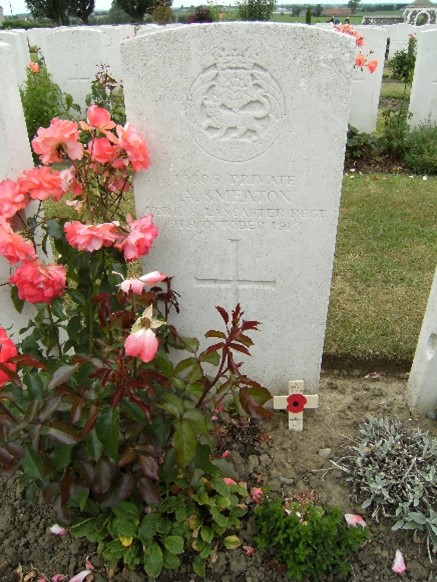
point(393, 468)
point(308, 540)
point(393, 140)
point(195, 519)
point(421, 153)
point(106, 92)
point(403, 62)
point(359, 144)
point(42, 99)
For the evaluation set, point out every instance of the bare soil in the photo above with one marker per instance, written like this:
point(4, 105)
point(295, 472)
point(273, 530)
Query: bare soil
point(266, 454)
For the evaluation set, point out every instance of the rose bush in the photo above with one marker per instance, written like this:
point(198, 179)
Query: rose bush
point(94, 413)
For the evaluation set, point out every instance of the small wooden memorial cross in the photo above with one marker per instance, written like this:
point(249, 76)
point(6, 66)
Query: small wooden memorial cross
point(295, 403)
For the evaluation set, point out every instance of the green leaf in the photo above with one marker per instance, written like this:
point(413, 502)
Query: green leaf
point(183, 365)
point(171, 561)
point(127, 510)
point(219, 518)
point(195, 389)
point(147, 528)
point(54, 229)
point(207, 534)
point(174, 544)
point(84, 528)
point(232, 542)
point(211, 358)
point(153, 559)
point(32, 464)
point(124, 528)
point(61, 455)
point(197, 420)
point(18, 303)
point(199, 566)
point(185, 442)
point(93, 446)
point(107, 429)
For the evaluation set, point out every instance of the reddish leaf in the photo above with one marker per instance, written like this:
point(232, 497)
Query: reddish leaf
point(253, 408)
point(5, 457)
point(63, 433)
point(223, 313)
point(76, 409)
point(245, 340)
point(215, 348)
point(102, 477)
point(13, 376)
point(61, 510)
point(25, 360)
point(62, 374)
point(50, 406)
point(9, 471)
point(16, 450)
point(215, 333)
point(90, 421)
point(149, 467)
point(127, 457)
point(148, 491)
point(239, 348)
point(36, 435)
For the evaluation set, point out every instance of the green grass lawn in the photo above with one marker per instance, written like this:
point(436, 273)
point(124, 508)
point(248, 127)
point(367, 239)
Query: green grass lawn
point(385, 260)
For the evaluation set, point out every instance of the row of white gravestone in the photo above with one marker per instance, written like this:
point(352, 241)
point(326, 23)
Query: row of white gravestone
point(74, 55)
point(246, 177)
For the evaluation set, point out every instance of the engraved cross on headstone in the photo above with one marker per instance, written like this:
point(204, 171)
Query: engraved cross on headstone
point(235, 282)
point(295, 388)
point(80, 80)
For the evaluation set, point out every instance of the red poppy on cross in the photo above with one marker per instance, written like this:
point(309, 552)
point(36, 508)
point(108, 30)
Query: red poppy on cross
point(295, 403)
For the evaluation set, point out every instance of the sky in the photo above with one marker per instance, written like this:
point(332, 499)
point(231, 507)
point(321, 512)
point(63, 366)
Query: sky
point(19, 6)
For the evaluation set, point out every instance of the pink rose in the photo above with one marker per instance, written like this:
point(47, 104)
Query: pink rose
point(13, 246)
point(60, 138)
point(7, 351)
point(91, 237)
point(11, 199)
point(41, 183)
point(140, 238)
point(39, 283)
point(99, 118)
point(135, 146)
point(102, 151)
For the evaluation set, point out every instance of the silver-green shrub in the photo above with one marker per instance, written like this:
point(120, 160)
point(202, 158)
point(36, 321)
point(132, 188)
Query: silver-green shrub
point(393, 469)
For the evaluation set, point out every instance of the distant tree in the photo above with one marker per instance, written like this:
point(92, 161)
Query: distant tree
point(81, 8)
point(201, 14)
point(308, 15)
point(135, 8)
point(162, 13)
point(56, 10)
point(296, 9)
point(256, 9)
point(354, 5)
point(317, 10)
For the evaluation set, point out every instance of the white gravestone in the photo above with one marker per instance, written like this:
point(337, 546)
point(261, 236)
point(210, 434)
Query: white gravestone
point(423, 99)
point(36, 38)
point(73, 57)
point(20, 52)
point(399, 37)
point(247, 135)
point(422, 383)
point(15, 157)
point(366, 86)
point(112, 37)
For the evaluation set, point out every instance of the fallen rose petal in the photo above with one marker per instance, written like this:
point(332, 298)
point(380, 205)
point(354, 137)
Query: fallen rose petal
point(88, 564)
point(58, 578)
point(58, 530)
point(81, 576)
point(256, 494)
point(250, 550)
point(372, 376)
point(354, 520)
point(399, 566)
point(225, 454)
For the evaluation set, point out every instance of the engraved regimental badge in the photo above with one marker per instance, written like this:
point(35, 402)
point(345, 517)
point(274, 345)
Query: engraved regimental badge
point(235, 109)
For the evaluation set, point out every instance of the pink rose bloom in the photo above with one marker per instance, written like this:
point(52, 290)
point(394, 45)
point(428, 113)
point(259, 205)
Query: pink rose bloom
point(135, 146)
point(399, 566)
point(118, 184)
point(372, 65)
point(13, 246)
point(58, 530)
point(101, 150)
point(34, 67)
point(7, 351)
point(142, 342)
point(39, 283)
point(257, 494)
point(140, 238)
point(99, 118)
point(91, 237)
point(229, 481)
point(137, 285)
point(360, 60)
point(69, 182)
point(354, 520)
point(60, 138)
point(41, 183)
point(11, 199)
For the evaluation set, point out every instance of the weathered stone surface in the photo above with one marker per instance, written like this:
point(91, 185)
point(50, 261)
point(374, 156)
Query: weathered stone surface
point(247, 135)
